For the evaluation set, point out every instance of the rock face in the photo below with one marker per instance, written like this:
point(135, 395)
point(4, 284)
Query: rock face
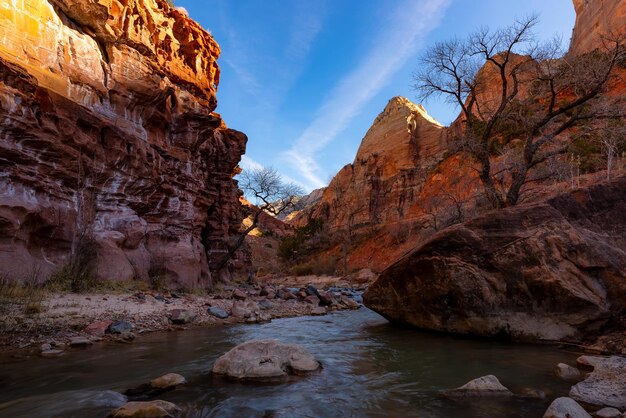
point(109, 132)
point(265, 360)
point(383, 182)
point(594, 19)
point(548, 271)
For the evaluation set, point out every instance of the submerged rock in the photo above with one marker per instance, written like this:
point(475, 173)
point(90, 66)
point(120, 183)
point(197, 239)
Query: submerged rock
point(265, 360)
point(605, 386)
point(156, 386)
point(80, 342)
point(482, 386)
point(51, 353)
point(151, 409)
point(568, 373)
point(565, 408)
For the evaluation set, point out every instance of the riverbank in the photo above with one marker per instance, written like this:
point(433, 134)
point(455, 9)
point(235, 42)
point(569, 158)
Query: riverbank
point(51, 323)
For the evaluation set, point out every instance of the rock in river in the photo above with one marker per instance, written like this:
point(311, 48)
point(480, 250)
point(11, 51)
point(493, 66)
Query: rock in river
point(483, 386)
point(565, 408)
point(567, 372)
point(553, 270)
point(605, 386)
point(265, 360)
point(152, 409)
point(120, 327)
point(182, 316)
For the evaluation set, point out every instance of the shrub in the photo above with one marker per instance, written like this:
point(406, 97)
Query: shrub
point(77, 274)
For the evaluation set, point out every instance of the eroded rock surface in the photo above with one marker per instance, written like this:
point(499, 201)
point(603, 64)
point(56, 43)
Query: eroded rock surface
point(265, 360)
point(605, 386)
point(595, 19)
point(109, 131)
point(549, 271)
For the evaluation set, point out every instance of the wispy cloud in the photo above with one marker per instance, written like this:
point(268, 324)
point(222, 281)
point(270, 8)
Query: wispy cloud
point(406, 27)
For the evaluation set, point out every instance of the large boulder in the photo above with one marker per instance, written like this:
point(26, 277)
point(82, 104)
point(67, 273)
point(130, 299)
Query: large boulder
point(553, 270)
point(605, 386)
point(265, 360)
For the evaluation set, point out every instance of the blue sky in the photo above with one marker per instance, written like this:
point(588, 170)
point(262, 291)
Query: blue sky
point(305, 79)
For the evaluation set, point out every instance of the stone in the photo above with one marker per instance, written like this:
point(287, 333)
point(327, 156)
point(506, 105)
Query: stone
point(265, 360)
point(242, 309)
point(349, 302)
point(568, 373)
point(168, 381)
point(217, 312)
point(45, 347)
point(119, 327)
point(482, 386)
point(80, 342)
point(536, 271)
point(285, 294)
point(51, 353)
point(565, 408)
point(265, 305)
point(134, 82)
point(98, 328)
point(325, 298)
point(319, 310)
point(182, 316)
point(313, 300)
point(149, 409)
point(239, 294)
point(608, 413)
point(605, 386)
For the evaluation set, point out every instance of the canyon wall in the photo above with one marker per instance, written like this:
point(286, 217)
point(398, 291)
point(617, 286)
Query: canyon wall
point(109, 136)
point(382, 184)
point(594, 19)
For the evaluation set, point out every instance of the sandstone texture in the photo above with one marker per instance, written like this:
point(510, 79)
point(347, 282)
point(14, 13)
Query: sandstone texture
point(594, 19)
point(109, 133)
point(554, 270)
point(265, 360)
point(388, 172)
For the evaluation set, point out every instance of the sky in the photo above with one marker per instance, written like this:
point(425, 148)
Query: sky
point(305, 79)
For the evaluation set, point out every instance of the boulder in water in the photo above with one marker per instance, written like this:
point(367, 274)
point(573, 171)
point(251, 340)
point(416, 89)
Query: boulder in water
point(217, 312)
point(565, 408)
point(182, 316)
point(605, 386)
point(151, 409)
point(568, 373)
point(483, 386)
point(120, 327)
point(265, 360)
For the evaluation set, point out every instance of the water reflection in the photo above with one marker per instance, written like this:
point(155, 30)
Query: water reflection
point(371, 369)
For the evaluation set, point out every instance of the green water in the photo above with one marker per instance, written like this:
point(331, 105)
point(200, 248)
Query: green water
point(371, 369)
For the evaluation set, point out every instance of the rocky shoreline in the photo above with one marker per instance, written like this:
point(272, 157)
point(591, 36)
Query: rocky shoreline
point(71, 320)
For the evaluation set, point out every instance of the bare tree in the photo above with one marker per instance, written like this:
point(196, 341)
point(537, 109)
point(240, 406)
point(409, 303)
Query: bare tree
point(515, 94)
point(270, 194)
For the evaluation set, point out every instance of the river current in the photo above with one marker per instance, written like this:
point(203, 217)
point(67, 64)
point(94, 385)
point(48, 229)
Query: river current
point(371, 369)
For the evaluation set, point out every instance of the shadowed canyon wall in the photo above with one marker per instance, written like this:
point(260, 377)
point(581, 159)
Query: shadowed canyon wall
point(109, 134)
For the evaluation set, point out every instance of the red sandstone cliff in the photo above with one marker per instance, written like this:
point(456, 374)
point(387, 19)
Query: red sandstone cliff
point(108, 130)
point(594, 19)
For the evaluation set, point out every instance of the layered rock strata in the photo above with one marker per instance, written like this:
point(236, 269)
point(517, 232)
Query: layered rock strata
point(554, 270)
point(109, 135)
point(383, 183)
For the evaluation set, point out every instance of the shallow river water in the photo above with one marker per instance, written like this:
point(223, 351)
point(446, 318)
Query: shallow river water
point(371, 369)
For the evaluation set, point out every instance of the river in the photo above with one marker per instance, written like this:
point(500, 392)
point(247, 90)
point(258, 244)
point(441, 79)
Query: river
point(371, 369)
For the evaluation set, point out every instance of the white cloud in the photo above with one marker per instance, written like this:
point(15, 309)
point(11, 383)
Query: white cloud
point(407, 26)
point(248, 163)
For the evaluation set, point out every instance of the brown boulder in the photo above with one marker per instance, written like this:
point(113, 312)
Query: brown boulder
point(98, 328)
point(548, 271)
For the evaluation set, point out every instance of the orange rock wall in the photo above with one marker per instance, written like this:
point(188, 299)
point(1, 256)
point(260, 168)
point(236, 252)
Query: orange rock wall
point(108, 129)
point(595, 18)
